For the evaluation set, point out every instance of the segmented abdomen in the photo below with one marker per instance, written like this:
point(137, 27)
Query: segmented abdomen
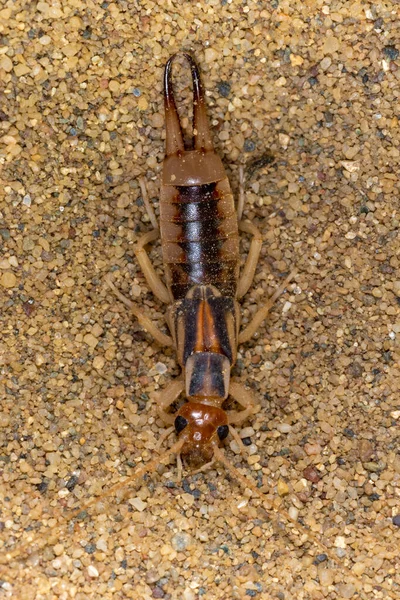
point(199, 235)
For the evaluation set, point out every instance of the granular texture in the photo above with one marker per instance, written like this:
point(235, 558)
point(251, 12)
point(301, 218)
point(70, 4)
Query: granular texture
point(81, 117)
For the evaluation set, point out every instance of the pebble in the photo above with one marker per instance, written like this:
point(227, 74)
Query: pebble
point(311, 474)
point(284, 140)
point(8, 280)
point(99, 362)
point(92, 572)
point(6, 63)
point(282, 488)
point(330, 45)
point(396, 520)
point(210, 55)
point(325, 577)
point(90, 340)
point(352, 166)
point(365, 450)
point(312, 449)
point(346, 590)
point(247, 432)
point(284, 427)
point(181, 541)
point(58, 549)
point(138, 504)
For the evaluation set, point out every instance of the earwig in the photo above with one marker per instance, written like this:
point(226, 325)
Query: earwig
point(199, 230)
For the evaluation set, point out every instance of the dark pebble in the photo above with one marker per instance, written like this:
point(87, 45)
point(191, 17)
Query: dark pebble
point(90, 548)
point(355, 370)
point(391, 52)
point(396, 520)
point(28, 308)
point(71, 483)
point(157, 592)
point(42, 487)
point(196, 493)
point(387, 357)
point(224, 88)
point(320, 558)
point(86, 33)
point(249, 146)
point(373, 497)
point(349, 432)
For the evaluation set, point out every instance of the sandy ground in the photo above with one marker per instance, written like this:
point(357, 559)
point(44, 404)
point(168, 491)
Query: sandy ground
point(81, 118)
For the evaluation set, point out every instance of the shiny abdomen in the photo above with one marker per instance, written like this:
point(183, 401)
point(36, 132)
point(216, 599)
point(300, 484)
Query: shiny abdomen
point(199, 235)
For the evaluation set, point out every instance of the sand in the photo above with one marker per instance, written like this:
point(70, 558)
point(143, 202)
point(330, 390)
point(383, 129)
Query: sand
point(81, 118)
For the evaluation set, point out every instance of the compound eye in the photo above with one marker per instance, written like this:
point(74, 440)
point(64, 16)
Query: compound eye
point(222, 432)
point(180, 423)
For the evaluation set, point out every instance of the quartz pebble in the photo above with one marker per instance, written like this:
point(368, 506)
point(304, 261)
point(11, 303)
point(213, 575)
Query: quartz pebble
point(8, 280)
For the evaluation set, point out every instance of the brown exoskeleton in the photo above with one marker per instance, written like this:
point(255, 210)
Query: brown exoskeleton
point(199, 229)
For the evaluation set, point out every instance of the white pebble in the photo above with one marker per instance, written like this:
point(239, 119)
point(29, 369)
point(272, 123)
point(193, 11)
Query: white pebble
point(210, 55)
point(92, 571)
point(101, 544)
point(247, 432)
point(160, 368)
point(27, 200)
point(188, 594)
point(234, 446)
point(340, 542)
point(138, 504)
point(284, 140)
point(56, 564)
point(284, 427)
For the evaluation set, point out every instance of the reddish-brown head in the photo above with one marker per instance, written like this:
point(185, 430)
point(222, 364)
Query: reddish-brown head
point(202, 427)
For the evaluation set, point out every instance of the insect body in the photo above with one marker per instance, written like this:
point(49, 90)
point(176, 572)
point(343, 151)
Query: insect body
point(199, 229)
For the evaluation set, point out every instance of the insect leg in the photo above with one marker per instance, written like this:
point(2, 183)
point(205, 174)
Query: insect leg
point(154, 282)
point(168, 397)
point(245, 399)
point(147, 324)
point(147, 204)
point(252, 327)
point(240, 205)
point(247, 276)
